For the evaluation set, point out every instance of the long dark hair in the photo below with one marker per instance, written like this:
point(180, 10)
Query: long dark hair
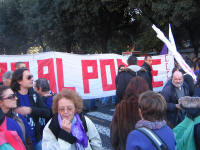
point(17, 76)
point(126, 113)
point(2, 89)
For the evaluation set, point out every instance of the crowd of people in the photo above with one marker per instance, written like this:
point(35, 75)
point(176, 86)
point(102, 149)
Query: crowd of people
point(144, 119)
point(32, 117)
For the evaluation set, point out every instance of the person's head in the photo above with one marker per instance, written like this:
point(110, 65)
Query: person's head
point(8, 99)
point(177, 78)
point(7, 76)
point(148, 60)
point(132, 60)
point(19, 65)
point(21, 79)
point(121, 67)
point(67, 103)
point(136, 86)
point(152, 106)
point(42, 86)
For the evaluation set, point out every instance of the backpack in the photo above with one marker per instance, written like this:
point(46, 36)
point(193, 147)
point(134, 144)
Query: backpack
point(155, 139)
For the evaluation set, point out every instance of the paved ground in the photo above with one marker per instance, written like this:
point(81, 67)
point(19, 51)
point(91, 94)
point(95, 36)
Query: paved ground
point(102, 118)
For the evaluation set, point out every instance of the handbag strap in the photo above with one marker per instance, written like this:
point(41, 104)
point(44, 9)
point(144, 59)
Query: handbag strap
point(155, 139)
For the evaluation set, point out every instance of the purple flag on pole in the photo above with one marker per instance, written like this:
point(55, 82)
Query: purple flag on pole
point(164, 50)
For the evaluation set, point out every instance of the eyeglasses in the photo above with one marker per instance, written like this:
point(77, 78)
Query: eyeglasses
point(29, 77)
point(11, 97)
point(63, 109)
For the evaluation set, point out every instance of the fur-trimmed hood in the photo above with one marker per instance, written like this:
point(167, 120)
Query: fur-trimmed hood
point(136, 68)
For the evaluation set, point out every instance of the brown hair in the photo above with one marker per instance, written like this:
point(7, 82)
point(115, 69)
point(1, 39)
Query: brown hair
point(2, 90)
point(126, 113)
point(135, 87)
point(72, 96)
point(145, 57)
point(153, 106)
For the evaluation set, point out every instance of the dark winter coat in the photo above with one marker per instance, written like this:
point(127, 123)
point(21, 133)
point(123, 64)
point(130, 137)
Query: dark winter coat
point(124, 77)
point(39, 110)
point(149, 75)
point(169, 93)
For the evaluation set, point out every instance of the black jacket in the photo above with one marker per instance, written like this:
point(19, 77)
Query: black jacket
point(123, 78)
point(149, 75)
point(39, 110)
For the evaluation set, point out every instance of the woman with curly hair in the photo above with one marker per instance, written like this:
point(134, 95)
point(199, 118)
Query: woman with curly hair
point(69, 129)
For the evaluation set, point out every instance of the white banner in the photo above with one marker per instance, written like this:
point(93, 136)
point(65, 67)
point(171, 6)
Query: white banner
point(92, 76)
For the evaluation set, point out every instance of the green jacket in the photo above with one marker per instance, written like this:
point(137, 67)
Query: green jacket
point(184, 134)
point(6, 146)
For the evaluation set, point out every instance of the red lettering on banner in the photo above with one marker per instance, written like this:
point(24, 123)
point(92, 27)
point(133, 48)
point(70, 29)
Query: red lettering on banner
point(50, 74)
point(60, 77)
point(120, 62)
point(88, 75)
point(141, 62)
point(154, 72)
point(105, 85)
point(13, 65)
point(3, 69)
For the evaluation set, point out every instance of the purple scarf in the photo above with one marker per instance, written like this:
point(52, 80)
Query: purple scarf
point(150, 125)
point(77, 131)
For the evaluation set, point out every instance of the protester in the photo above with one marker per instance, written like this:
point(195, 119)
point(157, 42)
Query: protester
point(19, 65)
point(197, 87)
point(120, 69)
point(8, 101)
point(113, 98)
point(9, 140)
point(196, 67)
point(7, 106)
point(124, 77)
point(172, 91)
point(69, 129)
point(30, 104)
point(187, 133)
point(152, 108)
point(126, 114)
point(7, 76)
point(42, 87)
point(147, 65)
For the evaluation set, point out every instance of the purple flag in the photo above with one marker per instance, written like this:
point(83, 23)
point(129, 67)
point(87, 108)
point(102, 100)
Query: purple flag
point(164, 50)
